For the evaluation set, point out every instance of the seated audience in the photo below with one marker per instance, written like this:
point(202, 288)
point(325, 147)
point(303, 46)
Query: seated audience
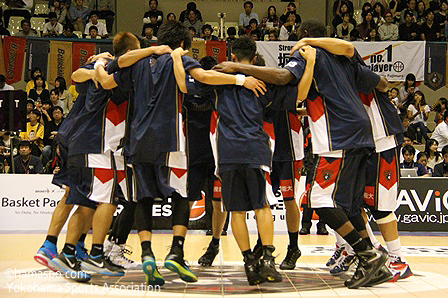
point(192, 20)
point(338, 19)
point(388, 30)
point(105, 10)
point(231, 34)
point(52, 28)
point(411, 6)
point(78, 15)
point(46, 108)
point(34, 133)
point(29, 107)
point(50, 132)
point(422, 159)
point(393, 96)
point(440, 134)
point(184, 14)
point(148, 30)
point(153, 4)
point(440, 106)
point(339, 3)
point(288, 27)
point(406, 93)
point(441, 169)
point(418, 113)
point(430, 30)
point(247, 16)
point(372, 35)
point(409, 132)
point(101, 28)
point(26, 31)
point(64, 95)
point(171, 18)
point(60, 10)
point(39, 92)
point(271, 21)
point(26, 163)
point(421, 12)
point(36, 71)
point(441, 16)
point(68, 31)
point(291, 8)
point(54, 97)
point(273, 35)
point(3, 85)
point(21, 8)
point(343, 29)
point(366, 25)
point(408, 141)
point(409, 30)
point(408, 153)
point(378, 13)
point(207, 31)
point(431, 150)
point(256, 34)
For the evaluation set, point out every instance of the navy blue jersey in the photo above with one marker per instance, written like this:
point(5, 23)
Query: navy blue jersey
point(339, 120)
point(288, 136)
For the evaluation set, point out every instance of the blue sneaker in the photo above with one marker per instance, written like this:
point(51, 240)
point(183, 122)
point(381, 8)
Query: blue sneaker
point(69, 266)
point(81, 252)
point(153, 276)
point(335, 257)
point(174, 261)
point(46, 253)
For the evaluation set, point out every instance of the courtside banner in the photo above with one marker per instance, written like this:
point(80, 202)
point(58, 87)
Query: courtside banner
point(217, 49)
point(81, 52)
point(14, 56)
point(275, 53)
point(197, 50)
point(2, 61)
point(60, 60)
point(36, 56)
point(394, 59)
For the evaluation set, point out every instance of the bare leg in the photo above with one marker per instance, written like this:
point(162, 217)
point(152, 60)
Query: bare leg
point(60, 216)
point(77, 224)
point(102, 221)
point(218, 219)
point(239, 230)
point(265, 225)
point(292, 216)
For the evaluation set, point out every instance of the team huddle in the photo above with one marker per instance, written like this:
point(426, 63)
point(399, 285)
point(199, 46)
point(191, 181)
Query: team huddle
point(154, 124)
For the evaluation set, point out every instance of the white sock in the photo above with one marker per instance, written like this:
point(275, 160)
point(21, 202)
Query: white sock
point(372, 237)
point(339, 240)
point(394, 248)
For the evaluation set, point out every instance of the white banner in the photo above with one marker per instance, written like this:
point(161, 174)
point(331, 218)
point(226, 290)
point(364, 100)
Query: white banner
point(394, 59)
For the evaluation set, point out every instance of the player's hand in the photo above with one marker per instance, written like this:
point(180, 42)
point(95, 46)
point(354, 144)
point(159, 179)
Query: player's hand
point(179, 52)
point(300, 44)
point(255, 85)
point(227, 67)
point(105, 55)
point(160, 50)
point(308, 53)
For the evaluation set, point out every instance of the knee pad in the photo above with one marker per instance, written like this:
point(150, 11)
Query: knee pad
point(358, 222)
point(181, 210)
point(143, 215)
point(333, 217)
point(383, 217)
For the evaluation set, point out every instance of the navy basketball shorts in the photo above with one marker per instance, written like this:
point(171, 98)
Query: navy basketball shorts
point(285, 177)
point(243, 187)
point(151, 181)
point(382, 179)
point(340, 181)
point(61, 178)
point(198, 176)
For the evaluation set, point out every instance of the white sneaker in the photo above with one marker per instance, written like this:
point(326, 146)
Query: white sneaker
point(107, 247)
point(117, 257)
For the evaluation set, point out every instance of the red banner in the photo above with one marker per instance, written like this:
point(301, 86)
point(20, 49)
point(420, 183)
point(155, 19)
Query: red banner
point(81, 52)
point(217, 49)
point(14, 57)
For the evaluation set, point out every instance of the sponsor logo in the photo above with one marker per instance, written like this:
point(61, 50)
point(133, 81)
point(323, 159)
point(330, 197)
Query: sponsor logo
point(326, 175)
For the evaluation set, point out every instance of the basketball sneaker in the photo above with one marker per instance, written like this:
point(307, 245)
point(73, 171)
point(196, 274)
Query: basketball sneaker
point(46, 253)
point(383, 275)
point(336, 255)
point(251, 267)
point(118, 258)
point(107, 247)
point(399, 268)
point(102, 265)
point(175, 262)
point(70, 267)
point(258, 249)
point(267, 269)
point(343, 263)
point(149, 266)
point(289, 263)
point(370, 261)
point(209, 256)
point(81, 251)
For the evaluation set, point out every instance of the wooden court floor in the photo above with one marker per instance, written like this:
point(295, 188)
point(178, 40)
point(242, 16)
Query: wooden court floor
point(21, 276)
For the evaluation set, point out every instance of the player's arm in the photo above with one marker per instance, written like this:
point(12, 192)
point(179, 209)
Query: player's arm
point(133, 56)
point(333, 45)
point(309, 54)
point(82, 74)
point(106, 80)
point(276, 76)
point(382, 84)
point(179, 70)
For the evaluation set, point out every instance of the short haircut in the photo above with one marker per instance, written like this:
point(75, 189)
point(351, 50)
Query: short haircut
point(207, 26)
point(428, 11)
point(69, 26)
point(52, 15)
point(25, 21)
point(248, 2)
point(294, 5)
point(2, 78)
point(253, 21)
point(93, 13)
point(123, 42)
point(259, 61)
point(408, 149)
point(24, 143)
point(208, 62)
point(396, 89)
point(152, 14)
point(421, 154)
point(192, 29)
point(93, 28)
point(54, 90)
point(244, 48)
point(30, 101)
point(36, 112)
point(408, 12)
point(149, 2)
point(345, 14)
point(58, 108)
point(231, 31)
point(312, 28)
point(445, 150)
point(172, 35)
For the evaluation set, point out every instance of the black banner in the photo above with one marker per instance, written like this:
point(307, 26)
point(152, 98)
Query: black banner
point(436, 64)
point(36, 56)
point(13, 110)
point(104, 47)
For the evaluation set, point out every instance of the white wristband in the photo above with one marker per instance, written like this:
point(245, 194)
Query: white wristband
point(98, 63)
point(240, 79)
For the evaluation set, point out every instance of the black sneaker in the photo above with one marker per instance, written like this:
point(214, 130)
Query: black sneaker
point(383, 275)
point(370, 261)
point(174, 261)
point(102, 265)
point(267, 266)
point(69, 266)
point(305, 230)
point(251, 264)
point(209, 233)
point(258, 250)
point(209, 256)
point(290, 260)
point(321, 230)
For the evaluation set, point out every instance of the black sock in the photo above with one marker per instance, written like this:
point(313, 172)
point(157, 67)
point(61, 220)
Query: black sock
point(69, 249)
point(52, 239)
point(97, 250)
point(293, 239)
point(356, 242)
point(259, 243)
point(82, 238)
point(248, 257)
point(368, 241)
point(146, 245)
point(178, 241)
point(215, 241)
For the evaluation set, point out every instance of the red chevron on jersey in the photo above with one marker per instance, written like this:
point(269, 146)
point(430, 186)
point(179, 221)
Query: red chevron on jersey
point(104, 175)
point(213, 119)
point(178, 172)
point(116, 113)
point(327, 171)
point(269, 129)
point(121, 175)
point(366, 98)
point(315, 108)
point(369, 195)
point(388, 173)
point(294, 122)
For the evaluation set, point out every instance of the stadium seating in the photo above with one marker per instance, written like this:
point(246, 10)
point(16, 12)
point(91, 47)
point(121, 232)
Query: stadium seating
point(41, 9)
point(38, 24)
point(14, 22)
point(78, 33)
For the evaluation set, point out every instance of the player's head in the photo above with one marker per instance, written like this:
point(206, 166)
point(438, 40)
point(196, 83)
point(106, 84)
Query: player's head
point(408, 153)
point(259, 60)
point(124, 42)
point(174, 35)
point(244, 49)
point(311, 28)
point(208, 62)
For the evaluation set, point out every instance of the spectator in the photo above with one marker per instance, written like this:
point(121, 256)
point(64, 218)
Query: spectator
point(184, 14)
point(59, 8)
point(192, 32)
point(50, 132)
point(64, 95)
point(431, 150)
point(8, 148)
point(407, 90)
point(378, 13)
point(34, 133)
point(253, 25)
point(439, 107)
point(290, 8)
point(78, 15)
point(372, 35)
point(193, 21)
point(3, 85)
point(271, 21)
point(288, 27)
point(39, 92)
point(231, 34)
point(207, 31)
point(171, 18)
point(393, 96)
point(105, 10)
point(441, 169)
point(367, 6)
point(410, 7)
point(54, 165)
point(366, 25)
point(26, 31)
point(434, 5)
point(149, 32)
point(26, 163)
point(388, 30)
point(422, 159)
point(3, 30)
point(101, 28)
point(52, 28)
point(246, 16)
point(153, 11)
point(355, 36)
point(398, 5)
point(29, 107)
point(408, 141)
point(421, 13)
point(68, 31)
point(343, 30)
point(409, 29)
point(418, 113)
point(339, 3)
point(65, 2)
point(430, 30)
point(441, 17)
point(46, 111)
point(338, 18)
point(54, 97)
point(409, 132)
point(408, 163)
point(255, 34)
point(440, 134)
point(18, 8)
point(273, 35)
point(153, 22)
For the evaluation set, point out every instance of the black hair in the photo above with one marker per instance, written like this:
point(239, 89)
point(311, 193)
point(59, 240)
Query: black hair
point(2, 78)
point(231, 31)
point(345, 14)
point(259, 61)
point(365, 5)
point(69, 26)
point(311, 28)
point(292, 4)
point(208, 62)
point(445, 150)
point(34, 70)
point(429, 143)
point(423, 100)
point(55, 90)
point(207, 26)
point(244, 48)
point(396, 89)
point(152, 14)
point(172, 35)
point(420, 154)
point(409, 77)
point(192, 29)
point(275, 15)
point(93, 28)
point(25, 21)
point(39, 77)
point(445, 115)
point(24, 143)
point(58, 108)
point(37, 113)
point(248, 2)
point(253, 21)
point(31, 102)
point(408, 149)
point(191, 6)
point(52, 15)
point(169, 14)
point(62, 84)
point(381, 13)
point(428, 11)
point(256, 32)
point(93, 12)
point(149, 2)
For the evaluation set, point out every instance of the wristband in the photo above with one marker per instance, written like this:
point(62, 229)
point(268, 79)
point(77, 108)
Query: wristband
point(98, 63)
point(240, 79)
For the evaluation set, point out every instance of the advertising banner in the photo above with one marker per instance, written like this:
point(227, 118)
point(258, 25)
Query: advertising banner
point(436, 65)
point(275, 53)
point(14, 56)
point(2, 61)
point(60, 60)
point(217, 49)
point(37, 56)
point(197, 50)
point(81, 52)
